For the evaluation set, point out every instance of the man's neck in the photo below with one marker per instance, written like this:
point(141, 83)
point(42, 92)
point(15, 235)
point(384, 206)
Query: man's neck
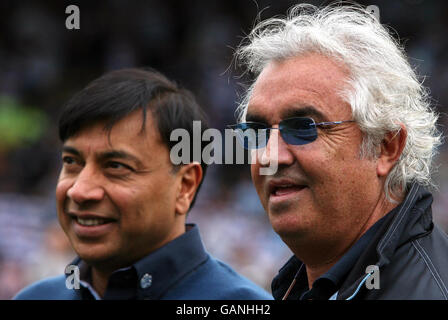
point(314, 272)
point(318, 264)
point(100, 280)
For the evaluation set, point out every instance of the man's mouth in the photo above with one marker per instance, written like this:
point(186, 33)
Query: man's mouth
point(286, 189)
point(92, 221)
point(281, 189)
point(91, 225)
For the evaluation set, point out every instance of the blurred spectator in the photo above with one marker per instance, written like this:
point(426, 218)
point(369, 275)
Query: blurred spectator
point(52, 256)
point(11, 278)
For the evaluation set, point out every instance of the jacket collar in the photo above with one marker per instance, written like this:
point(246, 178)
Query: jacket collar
point(411, 219)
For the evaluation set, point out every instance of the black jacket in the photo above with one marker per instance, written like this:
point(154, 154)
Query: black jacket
point(409, 250)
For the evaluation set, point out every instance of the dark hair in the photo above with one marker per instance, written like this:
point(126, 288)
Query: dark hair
point(116, 94)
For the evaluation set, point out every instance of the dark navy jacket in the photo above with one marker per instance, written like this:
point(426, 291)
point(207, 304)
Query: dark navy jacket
point(181, 269)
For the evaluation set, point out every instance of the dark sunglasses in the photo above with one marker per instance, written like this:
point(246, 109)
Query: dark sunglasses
point(294, 131)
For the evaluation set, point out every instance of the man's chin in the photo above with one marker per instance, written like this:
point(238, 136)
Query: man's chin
point(93, 254)
point(288, 225)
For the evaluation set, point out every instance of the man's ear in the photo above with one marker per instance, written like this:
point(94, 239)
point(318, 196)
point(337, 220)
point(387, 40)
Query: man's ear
point(390, 150)
point(190, 176)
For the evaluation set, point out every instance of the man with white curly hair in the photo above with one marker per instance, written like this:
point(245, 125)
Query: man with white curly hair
point(337, 105)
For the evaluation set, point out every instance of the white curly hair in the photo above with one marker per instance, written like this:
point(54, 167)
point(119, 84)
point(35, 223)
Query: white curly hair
point(383, 90)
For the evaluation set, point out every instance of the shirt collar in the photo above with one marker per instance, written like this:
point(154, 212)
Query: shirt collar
point(327, 284)
point(167, 265)
point(152, 276)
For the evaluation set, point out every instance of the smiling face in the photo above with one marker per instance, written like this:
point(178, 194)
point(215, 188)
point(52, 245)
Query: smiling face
point(117, 195)
point(323, 193)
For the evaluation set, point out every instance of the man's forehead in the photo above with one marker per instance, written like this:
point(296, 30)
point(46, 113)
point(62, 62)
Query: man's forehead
point(131, 126)
point(127, 133)
point(301, 86)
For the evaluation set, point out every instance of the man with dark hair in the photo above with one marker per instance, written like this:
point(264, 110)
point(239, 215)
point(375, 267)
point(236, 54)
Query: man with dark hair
point(123, 204)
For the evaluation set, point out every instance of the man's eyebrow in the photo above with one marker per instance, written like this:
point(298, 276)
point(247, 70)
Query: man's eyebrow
point(308, 111)
point(112, 154)
point(71, 150)
point(118, 154)
point(250, 117)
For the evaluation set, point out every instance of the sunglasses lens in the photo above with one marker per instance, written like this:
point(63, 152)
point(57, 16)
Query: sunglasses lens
point(294, 131)
point(251, 135)
point(298, 131)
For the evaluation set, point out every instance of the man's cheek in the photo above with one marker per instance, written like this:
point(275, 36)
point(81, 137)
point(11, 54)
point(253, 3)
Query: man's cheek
point(258, 184)
point(254, 171)
point(61, 190)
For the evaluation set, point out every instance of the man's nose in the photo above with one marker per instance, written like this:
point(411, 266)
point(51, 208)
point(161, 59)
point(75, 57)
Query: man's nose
point(276, 150)
point(86, 187)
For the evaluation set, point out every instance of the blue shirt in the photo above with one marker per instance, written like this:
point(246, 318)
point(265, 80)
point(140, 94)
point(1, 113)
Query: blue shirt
point(181, 269)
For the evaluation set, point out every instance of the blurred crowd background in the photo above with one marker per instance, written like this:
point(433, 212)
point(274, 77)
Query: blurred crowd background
point(42, 64)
